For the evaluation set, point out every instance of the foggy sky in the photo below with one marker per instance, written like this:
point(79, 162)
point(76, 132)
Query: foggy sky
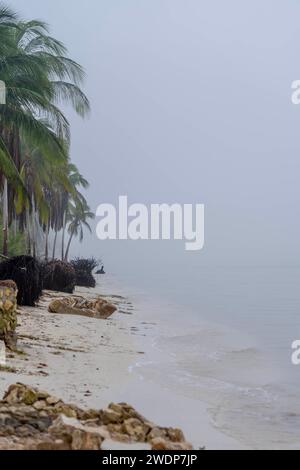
point(190, 103)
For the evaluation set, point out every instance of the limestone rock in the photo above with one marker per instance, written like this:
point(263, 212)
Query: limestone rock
point(52, 400)
point(34, 420)
point(98, 308)
point(162, 444)
point(110, 416)
point(136, 429)
point(78, 436)
point(8, 313)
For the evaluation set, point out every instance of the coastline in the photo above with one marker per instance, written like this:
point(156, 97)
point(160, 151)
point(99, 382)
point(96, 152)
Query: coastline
point(92, 362)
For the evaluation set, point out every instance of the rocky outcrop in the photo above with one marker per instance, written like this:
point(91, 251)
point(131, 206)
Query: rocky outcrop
point(99, 308)
point(8, 313)
point(34, 420)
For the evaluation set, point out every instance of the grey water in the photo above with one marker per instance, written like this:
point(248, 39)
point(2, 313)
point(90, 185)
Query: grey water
point(226, 334)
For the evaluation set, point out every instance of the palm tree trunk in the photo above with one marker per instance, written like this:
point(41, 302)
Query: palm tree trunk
point(63, 238)
point(28, 232)
point(54, 245)
point(5, 218)
point(47, 243)
point(68, 247)
point(33, 225)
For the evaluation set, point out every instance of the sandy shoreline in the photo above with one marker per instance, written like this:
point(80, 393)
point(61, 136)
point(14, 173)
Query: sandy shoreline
point(91, 362)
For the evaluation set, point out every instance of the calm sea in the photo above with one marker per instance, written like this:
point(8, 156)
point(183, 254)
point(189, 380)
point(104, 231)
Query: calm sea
point(224, 336)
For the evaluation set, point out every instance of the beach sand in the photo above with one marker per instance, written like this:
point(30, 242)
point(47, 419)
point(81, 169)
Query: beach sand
point(91, 362)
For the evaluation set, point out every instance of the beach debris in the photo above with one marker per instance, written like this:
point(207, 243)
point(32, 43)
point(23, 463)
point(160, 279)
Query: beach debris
point(25, 271)
point(98, 308)
point(101, 271)
point(83, 269)
point(8, 314)
point(59, 276)
point(31, 419)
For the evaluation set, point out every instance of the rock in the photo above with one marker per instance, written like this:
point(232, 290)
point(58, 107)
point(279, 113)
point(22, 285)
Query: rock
point(92, 415)
point(78, 436)
point(20, 394)
point(110, 416)
point(8, 313)
point(26, 431)
point(156, 433)
point(162, 444)
point(99, 308)
point(9, 285)
point(42, 395)
point(175, 435)
point(117, 408)
point(67, 410)
point(136, 429)
point(52, 401)
point(50, 445)
point(33, 420)
point(40, 405)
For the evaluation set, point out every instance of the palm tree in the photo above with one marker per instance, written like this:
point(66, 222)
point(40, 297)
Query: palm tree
point(7, 20)
point(38, 76)
point(78, 220)
point(41, 179)
point(77, 181)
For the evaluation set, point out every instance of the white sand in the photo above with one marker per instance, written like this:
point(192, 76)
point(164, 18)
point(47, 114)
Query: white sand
point(89, 362)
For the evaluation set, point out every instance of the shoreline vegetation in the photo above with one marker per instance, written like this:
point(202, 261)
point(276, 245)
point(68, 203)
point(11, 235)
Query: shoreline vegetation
point(42, 205)
point(41, 188)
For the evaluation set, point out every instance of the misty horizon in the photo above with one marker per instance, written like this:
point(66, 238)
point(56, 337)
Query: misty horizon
point(189, 106)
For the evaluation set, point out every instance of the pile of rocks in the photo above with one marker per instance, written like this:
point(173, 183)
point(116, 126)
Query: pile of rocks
point(34, 420)
point(8, 313)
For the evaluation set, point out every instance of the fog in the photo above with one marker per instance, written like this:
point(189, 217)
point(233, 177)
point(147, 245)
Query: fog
point(191, 103)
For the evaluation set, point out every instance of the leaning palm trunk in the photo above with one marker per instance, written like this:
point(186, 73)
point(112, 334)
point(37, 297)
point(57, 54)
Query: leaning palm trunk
point(68, 247)
point(5, 218)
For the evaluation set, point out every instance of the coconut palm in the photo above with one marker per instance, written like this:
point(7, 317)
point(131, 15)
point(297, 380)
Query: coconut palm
point(39, 76)
point(78, 217)
point(77, 181)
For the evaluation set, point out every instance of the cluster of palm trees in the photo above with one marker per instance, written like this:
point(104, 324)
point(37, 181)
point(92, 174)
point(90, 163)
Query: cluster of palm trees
point(39, 186)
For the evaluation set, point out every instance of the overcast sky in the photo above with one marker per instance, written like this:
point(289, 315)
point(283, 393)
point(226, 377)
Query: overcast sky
point(190, 103)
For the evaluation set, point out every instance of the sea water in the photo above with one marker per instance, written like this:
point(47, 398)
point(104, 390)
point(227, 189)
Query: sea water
point(223, 335)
